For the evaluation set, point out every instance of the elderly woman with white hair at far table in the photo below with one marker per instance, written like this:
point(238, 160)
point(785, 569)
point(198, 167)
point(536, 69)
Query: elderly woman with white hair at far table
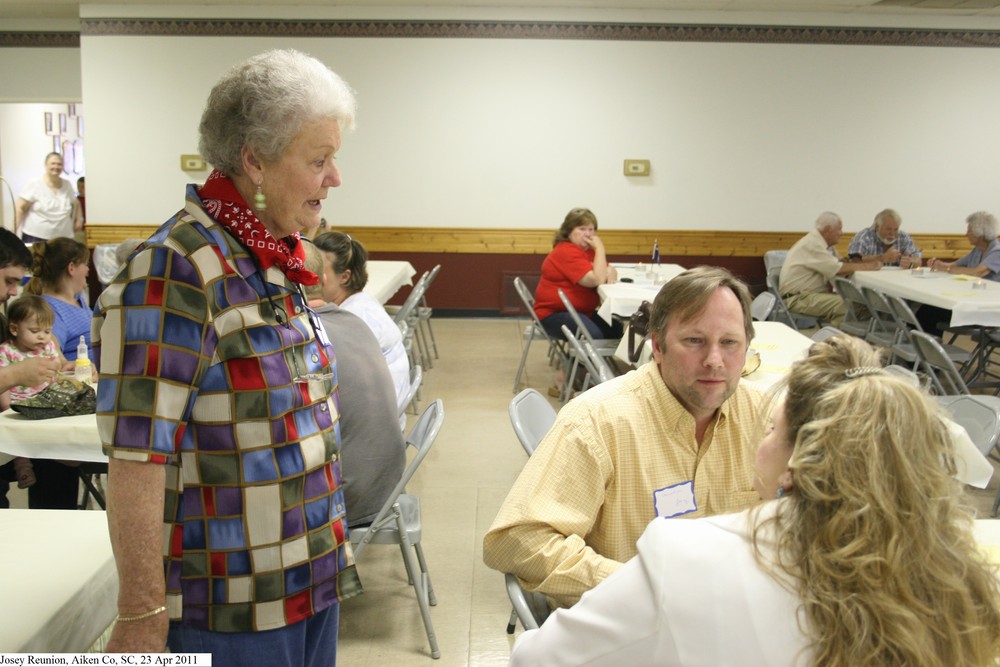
point(983, 261)
point(217, 401)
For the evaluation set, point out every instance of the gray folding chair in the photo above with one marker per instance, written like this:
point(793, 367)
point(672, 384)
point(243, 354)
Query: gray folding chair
point(557, 352)
point(604, 346)
point(762, 306)
point(408, 313)
point(824, 333)
point(579, 358)
point(906, 322)
point(781, 313)
point(425, 312)
point(399, 521)
point(857, 319)
point(410, 397)
point(884, 331)
point(774, 259)
point(980, 418)
point(532, 416)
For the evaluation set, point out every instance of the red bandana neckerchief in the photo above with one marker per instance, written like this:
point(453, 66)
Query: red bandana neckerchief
point(224, 203)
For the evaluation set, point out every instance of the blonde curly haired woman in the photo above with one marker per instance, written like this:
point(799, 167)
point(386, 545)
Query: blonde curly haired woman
point(866, 556)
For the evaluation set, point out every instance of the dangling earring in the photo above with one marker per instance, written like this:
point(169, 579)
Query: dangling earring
point(259, 200)
point(780, 493)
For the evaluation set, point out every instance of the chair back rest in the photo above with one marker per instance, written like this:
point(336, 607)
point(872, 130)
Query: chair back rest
point(979, 420)
point(945, 377)
point(416, 378)
point(780, 310)
point(528, 299)
point(905, 317)
point(599, 362)
point(761, 306)
point(421, 437)
point(581, 331)
point(774, 259)
point(577, 349)
point(824, 333)
point(416, 294)
point(432, 275)
point(532, 416)
point(884, 321)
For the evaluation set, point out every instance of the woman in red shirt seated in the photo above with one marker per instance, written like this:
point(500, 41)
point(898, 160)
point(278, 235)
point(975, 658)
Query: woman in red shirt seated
point(576, 265)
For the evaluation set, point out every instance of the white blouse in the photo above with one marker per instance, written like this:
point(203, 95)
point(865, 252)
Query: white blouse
point(693, 596)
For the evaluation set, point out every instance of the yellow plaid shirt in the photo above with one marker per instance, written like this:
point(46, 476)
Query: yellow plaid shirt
point(575, 512)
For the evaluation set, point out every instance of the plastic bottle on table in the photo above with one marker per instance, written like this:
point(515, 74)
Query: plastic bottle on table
point(82, 370)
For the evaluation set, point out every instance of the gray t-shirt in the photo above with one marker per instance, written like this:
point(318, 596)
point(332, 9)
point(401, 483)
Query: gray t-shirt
point(372, 450)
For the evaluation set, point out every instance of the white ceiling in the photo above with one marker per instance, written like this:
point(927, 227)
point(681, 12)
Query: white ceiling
point(64, 9)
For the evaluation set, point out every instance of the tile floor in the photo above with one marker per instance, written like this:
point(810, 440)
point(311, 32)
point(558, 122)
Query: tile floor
point(461, 485)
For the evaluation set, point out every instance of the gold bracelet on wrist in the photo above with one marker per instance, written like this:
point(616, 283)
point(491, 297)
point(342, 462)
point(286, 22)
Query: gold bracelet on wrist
point(140, 617)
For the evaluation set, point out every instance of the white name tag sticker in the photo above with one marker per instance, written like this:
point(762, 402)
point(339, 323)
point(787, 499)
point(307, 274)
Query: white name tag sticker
point(675, 500)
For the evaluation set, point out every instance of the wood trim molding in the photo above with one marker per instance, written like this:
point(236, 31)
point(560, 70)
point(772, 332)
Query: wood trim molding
point(493, 241)
point(576, 30)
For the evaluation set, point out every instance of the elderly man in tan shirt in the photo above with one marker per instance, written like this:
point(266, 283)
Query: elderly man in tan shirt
point(676, 438)
point(806, 280)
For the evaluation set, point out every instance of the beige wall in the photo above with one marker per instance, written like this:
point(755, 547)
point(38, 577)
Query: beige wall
point(512, 133)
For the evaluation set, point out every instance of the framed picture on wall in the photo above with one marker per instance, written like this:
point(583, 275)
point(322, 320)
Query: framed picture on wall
point(49, 129)
point(62, 123)
point(56, 144)
point(79, 126)
point(69, 164)
point(71, 110)
point(78, 165)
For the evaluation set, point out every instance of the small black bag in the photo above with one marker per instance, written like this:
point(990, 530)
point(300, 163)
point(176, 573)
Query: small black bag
point(638, 330)
point(63, 398)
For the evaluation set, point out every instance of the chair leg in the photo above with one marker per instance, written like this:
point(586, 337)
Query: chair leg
point(512, 623)
point(524, 359)
point(427, 576)
point(425, 349)
point(430, 330)
point(413, 569)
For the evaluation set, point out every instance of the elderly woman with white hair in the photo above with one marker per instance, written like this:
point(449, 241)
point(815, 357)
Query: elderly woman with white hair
point(984, 259)
point(217, 404)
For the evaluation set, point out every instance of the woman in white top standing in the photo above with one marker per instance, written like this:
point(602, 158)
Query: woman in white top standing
point(349, 258)
point(48, 208)
point(865, 558)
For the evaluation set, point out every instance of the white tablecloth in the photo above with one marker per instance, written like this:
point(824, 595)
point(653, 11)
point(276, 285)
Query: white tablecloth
point(968, 305)
point(65, 438)
point(779, 346)
point(622, 299)
point(60, 586)
point(385, 277)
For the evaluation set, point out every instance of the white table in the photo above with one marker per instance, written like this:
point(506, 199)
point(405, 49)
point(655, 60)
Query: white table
point(63, 438)
point(987, 532)
point(385, 277)
point(60, 583)
point(968, 305)
point(622, 299)
point(779, 346)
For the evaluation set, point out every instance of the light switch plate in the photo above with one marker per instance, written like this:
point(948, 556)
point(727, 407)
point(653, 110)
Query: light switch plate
point(637, 167)
point(193, 163)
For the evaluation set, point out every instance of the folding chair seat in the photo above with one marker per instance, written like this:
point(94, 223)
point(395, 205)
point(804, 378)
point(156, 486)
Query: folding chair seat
point(425, 312)
point(884, 331)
